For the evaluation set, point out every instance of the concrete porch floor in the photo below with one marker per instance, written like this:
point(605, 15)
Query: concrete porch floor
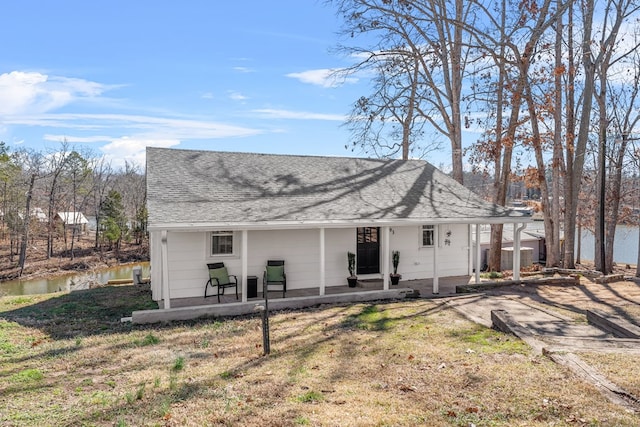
point(367, 290)
point(423, 286)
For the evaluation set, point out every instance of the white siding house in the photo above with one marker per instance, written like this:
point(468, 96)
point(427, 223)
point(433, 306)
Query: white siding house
point(72, 220)
point(246, 208)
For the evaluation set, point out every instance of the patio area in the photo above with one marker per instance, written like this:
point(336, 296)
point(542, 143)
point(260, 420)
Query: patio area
point(366, 290)
point(424, 288)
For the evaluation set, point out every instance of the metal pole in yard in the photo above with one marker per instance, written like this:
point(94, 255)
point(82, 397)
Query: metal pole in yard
point(265, 324)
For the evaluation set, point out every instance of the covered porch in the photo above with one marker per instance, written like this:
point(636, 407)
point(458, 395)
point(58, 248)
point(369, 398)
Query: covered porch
point(424, 287)
point(319, 263)
point(366, 290)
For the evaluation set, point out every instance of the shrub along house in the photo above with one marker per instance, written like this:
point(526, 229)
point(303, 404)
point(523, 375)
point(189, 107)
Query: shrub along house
point(245, 208)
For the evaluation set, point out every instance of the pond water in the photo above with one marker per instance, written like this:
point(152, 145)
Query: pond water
point(80, 280)
point(625, 245)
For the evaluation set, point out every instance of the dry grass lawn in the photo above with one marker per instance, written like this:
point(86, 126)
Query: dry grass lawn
point(66, 360)
point(621, 369)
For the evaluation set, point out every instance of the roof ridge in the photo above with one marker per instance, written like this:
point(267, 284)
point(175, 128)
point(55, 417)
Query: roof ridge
point(317, 156)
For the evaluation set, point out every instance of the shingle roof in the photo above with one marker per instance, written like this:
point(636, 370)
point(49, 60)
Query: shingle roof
point(70, 218)
point(209, 188)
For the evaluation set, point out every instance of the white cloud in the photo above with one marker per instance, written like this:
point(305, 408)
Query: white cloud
point(133, 149)
point(237, 96)
point(297, 115)
point(325, 77)
point(243, 70)
point(33, 93)
point(137, 132)
point(77, 139)
point(166, 126)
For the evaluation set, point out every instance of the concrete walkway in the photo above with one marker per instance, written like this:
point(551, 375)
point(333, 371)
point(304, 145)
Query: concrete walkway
point(554, 331)
point(553, 335)
point(540, 322)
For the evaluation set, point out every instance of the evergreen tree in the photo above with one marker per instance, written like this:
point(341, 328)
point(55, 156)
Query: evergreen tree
point(113, 222)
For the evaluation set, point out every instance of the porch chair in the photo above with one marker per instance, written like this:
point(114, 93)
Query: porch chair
point(221, 279)
point(274, 275)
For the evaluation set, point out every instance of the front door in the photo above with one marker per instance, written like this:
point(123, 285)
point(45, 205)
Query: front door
point(368, 256)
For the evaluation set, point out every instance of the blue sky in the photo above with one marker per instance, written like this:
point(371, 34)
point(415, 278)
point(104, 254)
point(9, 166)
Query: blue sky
point(117, 76)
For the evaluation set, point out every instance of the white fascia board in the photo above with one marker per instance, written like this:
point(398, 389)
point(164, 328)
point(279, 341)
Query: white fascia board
point(289, 225)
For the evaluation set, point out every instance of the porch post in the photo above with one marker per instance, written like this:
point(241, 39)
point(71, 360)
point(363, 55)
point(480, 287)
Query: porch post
point(469, 250)
point(516, 249)
point(323, 279)
point(478, 255)
point(436, 241)
point(165, 270)
point(245, 251)
point(385, 257)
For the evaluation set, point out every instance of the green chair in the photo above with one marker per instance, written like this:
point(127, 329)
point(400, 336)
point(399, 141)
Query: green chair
point(220, 279)
point(274, 275)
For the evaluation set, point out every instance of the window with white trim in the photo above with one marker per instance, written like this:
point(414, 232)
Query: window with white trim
point(221, 243)
point(428, 235)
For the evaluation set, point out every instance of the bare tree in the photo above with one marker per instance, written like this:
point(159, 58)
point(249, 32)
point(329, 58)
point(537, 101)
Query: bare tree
point(101, 183)
point(634, 151)
point(610, 52)
point(8, 171)
point(77, 170)
point(389, 120)
point(510, 39)
point(31, 163)
point(56, 163)
point(420, 62)
point(623, 95)
point(131, 185)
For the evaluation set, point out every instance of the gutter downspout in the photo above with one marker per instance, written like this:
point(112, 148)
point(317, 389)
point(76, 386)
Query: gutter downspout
point(516, 249)
point(165, 269)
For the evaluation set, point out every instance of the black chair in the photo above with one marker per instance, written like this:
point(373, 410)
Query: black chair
point(274, 275)
point(221, 279)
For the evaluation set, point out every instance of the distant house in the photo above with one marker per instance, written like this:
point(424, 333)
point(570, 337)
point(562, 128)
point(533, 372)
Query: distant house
point(36, 214)
point(245, 208)
point(39, 215)
point(72, 220)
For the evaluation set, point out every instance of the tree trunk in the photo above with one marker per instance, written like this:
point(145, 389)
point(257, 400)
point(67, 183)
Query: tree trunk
point(550, 242)
point(557, 171)
point(456, 88)
point(25, 232)
point(50, 219)
point(615, 198)
point(574, 174)
point(600, 239)
point(495, 252)
point(73, 235)
point(407, 121)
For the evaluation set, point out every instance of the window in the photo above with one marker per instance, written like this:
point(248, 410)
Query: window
point(428, 232)
point(367, 234)
point(222, 243)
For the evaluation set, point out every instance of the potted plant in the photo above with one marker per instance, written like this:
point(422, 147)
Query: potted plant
point(352, 279)
point(395, 259)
